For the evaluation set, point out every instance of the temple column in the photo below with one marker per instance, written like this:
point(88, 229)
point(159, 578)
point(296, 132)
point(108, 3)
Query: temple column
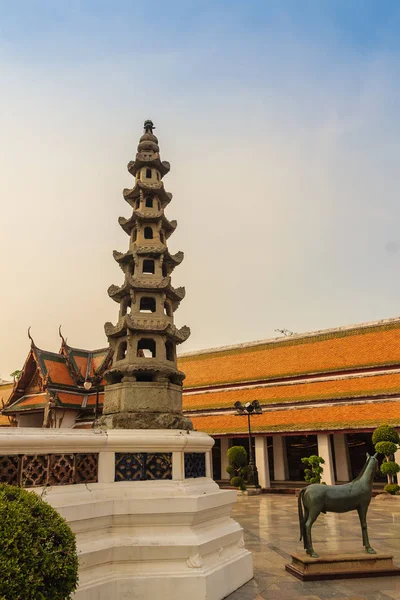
point(342, 459)
point(324, 450)
point(224, 457)
point(262, 461)
point(281, 471)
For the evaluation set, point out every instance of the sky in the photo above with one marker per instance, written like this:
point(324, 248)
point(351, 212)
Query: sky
point(281, 121)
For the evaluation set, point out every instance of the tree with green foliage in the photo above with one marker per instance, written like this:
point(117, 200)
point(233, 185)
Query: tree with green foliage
point(238, 466)
point(38, 559)
point(313, 472)
point(16, 375)
point(386, 441)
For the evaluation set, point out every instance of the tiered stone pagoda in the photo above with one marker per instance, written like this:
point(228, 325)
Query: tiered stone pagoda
point(144, 388)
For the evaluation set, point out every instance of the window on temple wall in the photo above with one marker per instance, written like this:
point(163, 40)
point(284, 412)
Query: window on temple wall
point(148, 173)
point(122, 348)
point(146, 348)
point(148, 267)
point(147, 305)
point(167, 309)
point(148, 233)
point(149, 202)
point(169, 350)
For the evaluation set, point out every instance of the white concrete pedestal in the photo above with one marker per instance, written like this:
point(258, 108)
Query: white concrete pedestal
point(169, 539)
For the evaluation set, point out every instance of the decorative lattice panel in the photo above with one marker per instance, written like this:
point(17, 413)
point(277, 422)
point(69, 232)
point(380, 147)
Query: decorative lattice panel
point(142, 466)
point(62, 469)
point(10, 469)
point(129, 467)
point(159, 466)
point(35, 470)
point(87, 466)
point(195, 464)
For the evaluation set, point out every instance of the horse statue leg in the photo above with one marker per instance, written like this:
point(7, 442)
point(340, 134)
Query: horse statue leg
point(311, 517)
point(362, 514)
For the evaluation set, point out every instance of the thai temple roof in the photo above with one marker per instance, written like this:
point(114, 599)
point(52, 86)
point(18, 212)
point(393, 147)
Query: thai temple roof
point(333, 379)
point(336, 379)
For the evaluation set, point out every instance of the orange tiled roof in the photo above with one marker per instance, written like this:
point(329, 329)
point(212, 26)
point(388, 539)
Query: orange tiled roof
point(38, 400)
point(58, 372)
point(324, 352)
point(349, 416)
point(364, 386)
point(81, 363)
point(4, 422)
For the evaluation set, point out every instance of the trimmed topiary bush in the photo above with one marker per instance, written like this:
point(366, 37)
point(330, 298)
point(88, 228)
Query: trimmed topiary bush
point(392, 488)
point(313, 472)
point(390, 468)
point(237, 457)
point(238, 482)
point(38, 559)
point(385, 433)
point(386, 439)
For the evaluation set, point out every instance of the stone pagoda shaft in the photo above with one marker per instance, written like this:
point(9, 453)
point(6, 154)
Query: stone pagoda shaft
point(144, 385)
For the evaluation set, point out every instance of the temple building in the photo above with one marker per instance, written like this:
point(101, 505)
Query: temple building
point(321, 393)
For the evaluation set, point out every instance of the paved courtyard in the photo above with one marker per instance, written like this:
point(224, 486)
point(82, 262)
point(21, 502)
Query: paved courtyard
point(272, 532)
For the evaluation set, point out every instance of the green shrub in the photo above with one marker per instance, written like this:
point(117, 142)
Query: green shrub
point(389, 468)
point(392, 488)
point(237, 457)
point(385, 433)
point(237, 482)
point(313, 472)
point(38, 559)
point(385, 448)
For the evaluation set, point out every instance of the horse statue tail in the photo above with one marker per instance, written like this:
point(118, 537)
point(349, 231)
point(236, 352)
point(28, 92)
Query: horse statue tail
point(301, 516)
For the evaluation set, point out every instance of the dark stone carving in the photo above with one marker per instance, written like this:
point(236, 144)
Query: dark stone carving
point(195, 464)
point(142, 466)
point(36, 470)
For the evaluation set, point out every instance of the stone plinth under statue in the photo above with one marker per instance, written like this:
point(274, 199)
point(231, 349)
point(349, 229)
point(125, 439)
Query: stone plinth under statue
point(341, 566)
point(149, 520)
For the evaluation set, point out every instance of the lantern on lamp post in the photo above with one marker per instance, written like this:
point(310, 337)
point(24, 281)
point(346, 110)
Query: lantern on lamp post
point(249, 409)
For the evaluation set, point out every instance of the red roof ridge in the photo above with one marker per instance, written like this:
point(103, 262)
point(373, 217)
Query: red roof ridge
point(290, 338)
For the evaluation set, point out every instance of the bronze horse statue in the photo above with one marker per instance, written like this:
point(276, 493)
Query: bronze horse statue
point(356, 495)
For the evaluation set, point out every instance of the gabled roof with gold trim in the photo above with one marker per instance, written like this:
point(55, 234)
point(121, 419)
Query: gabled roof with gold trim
point(56, 379)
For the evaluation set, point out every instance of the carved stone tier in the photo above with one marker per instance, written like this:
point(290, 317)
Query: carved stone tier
point(131, 195)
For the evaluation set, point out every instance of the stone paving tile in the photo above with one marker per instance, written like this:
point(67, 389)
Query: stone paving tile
point(272, 533)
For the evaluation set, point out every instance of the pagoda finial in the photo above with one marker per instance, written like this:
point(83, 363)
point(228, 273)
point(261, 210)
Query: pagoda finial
point(30, 337)
point(149, 126)
point(64, 341)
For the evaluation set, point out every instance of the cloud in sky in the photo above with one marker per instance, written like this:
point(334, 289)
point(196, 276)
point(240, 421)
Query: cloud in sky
point(281, 124)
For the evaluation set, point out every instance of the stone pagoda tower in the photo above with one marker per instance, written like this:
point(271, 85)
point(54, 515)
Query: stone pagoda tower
point(144, 385)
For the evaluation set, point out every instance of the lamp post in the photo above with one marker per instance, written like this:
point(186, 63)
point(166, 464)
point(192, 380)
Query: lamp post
point(250, 408)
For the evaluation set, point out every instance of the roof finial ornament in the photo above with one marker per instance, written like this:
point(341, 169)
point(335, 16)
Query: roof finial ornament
point(148, 126)
point(64, 341)
point(30, 337)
